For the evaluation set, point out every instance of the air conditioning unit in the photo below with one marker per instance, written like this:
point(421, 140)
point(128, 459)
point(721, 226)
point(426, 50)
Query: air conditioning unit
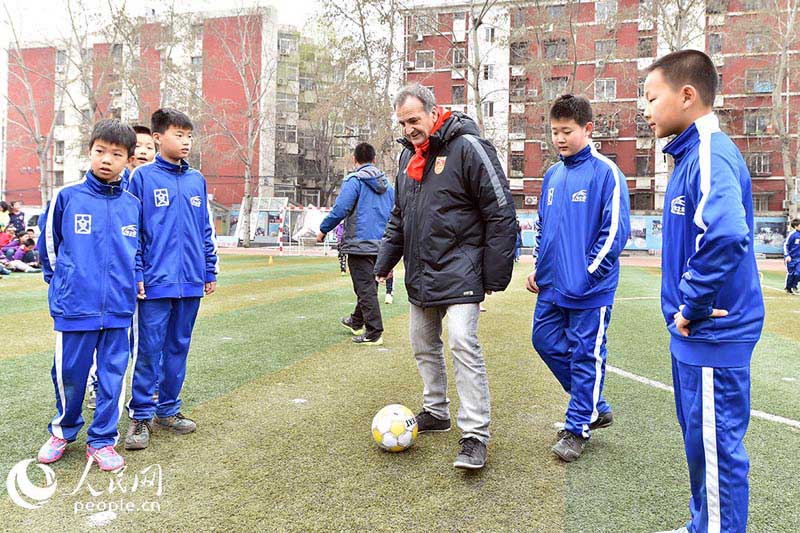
point(115, 92)
point(419, 37)
point(61, 69)
point(531, 200)
point(410, 65)
point(59, 159)
point(597, 145)
point(533, 93)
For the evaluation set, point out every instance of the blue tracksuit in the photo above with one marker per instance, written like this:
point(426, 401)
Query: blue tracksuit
point(791, 248)
point(583, 227)
point(179, 256)
point(89, 249)
point(708, 263)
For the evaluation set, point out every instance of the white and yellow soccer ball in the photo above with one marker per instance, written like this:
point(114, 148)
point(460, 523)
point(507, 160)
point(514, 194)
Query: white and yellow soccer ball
point(394, 428)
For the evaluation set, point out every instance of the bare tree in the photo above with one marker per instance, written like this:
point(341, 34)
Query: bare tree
point(681, 23)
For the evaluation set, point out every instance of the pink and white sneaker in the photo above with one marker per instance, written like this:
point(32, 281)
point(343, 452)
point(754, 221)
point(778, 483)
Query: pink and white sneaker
point(106, 458)
point(52, 450)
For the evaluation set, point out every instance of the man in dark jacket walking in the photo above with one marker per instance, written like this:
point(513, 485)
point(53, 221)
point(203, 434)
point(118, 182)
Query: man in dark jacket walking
point(454, 224)
point(364, 204)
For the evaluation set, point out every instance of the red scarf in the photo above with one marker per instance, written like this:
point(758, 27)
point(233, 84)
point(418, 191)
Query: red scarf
point(416, 165)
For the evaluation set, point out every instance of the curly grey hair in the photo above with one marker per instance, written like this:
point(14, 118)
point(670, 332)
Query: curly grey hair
point(420, 92)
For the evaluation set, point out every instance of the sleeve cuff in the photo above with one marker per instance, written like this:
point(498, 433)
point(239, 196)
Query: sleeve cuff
point(211, 277)
point(696, 313)
point(139, 276)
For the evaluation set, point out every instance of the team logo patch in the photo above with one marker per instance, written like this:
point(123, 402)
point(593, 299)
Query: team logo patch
point(579, 196)
point(83, 224)
point(678, 206)
point(162, 197)
point(130, 230)
point(439, 166)
point(196, 201)
point(550, 192)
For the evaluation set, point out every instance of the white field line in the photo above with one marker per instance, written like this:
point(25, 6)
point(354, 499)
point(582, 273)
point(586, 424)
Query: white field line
point(658, 385)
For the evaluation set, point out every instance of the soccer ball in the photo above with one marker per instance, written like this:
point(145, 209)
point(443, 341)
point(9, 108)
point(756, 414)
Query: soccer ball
point(394, 428)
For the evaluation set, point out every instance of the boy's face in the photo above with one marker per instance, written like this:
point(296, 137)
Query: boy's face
point(108, 160)
point(569, 137)
point(145, 150)
point(665, 111)
point(174, 143)
point(15, 206)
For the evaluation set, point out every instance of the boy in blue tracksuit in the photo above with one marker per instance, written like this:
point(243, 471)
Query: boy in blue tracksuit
point(583, 227)
point(89, 246)
point(791, 256)
point(710, 290)
point(179, 267)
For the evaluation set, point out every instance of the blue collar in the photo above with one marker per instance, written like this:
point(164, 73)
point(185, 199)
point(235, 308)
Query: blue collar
point(578, 157)
point(160, 162)
point(690, 137)
point(101, 187)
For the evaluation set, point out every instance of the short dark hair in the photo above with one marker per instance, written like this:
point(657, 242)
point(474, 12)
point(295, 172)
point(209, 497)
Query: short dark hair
point(113, 131)
point(165, 117)
point(568, 106)
point(795, 222)
point(364, 153)
point(144, 130)
point(4, 206)
point(689, 67)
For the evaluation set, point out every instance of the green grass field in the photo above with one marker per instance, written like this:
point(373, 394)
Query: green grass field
point(284, 403)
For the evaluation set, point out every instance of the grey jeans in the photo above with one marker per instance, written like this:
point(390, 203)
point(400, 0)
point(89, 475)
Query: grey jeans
point(425, 331)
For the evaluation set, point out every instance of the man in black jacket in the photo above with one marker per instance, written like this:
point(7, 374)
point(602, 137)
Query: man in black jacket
point(454, 224)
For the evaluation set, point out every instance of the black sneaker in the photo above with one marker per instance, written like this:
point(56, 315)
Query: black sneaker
point(569, 446)
point(347, 322)
point(427, 423)
point(603, 421)
point(472, 454)
point(363, 339)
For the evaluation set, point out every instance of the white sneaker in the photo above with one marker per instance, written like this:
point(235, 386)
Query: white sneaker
point(679, 530)
point(389, 298)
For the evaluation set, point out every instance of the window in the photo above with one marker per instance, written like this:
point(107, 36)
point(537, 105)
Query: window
point(59, 149)
point(641, 201)
point(646, 47)
point(286, 133)
point(307, 141)
point(518, 162)
point(605, 48)
point(60, 118)
point(287, 102)
point(519, 124)
point(458, 94)
point(716, 7)
point(518, 18)
point(715, 43)
point(58, 178)
point(642, 127)
point(488, 109)
point(61, 58)
point(427, 23)
point(756, 43)
point(555, 49)
point(430, 88)
point(459, 58)
point(753, 5)
point(116, 53)
point(307, 84)
point(554, 87)
point(423, 60)
point(556, 14)
point(605, 89)
point(756, 121)
point(760, 202)
point(519, 84)
point(197, 63)
point(520, 52)
point(642, 165)
point(489, 34)
point(488, 72)
point(338, 150)
point(640, 88)
point(605, 10)
point(758, 81)
point(86, 116)
point(758, 164)
point(287, 44)
point(115, 112)
point(290, 72)
point(605, 125)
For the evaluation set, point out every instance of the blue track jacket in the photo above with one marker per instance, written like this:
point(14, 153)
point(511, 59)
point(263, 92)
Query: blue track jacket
point(791, 248)
point(179, 249)
point(88, 250)
point(707, 253)
point(583, 227)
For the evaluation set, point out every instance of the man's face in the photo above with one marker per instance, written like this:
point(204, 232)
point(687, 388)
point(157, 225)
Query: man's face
point(145, 150)
point(665, 106)
point(108, 160)
point(569, 137)
point(415, 122)
point(174, 143)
